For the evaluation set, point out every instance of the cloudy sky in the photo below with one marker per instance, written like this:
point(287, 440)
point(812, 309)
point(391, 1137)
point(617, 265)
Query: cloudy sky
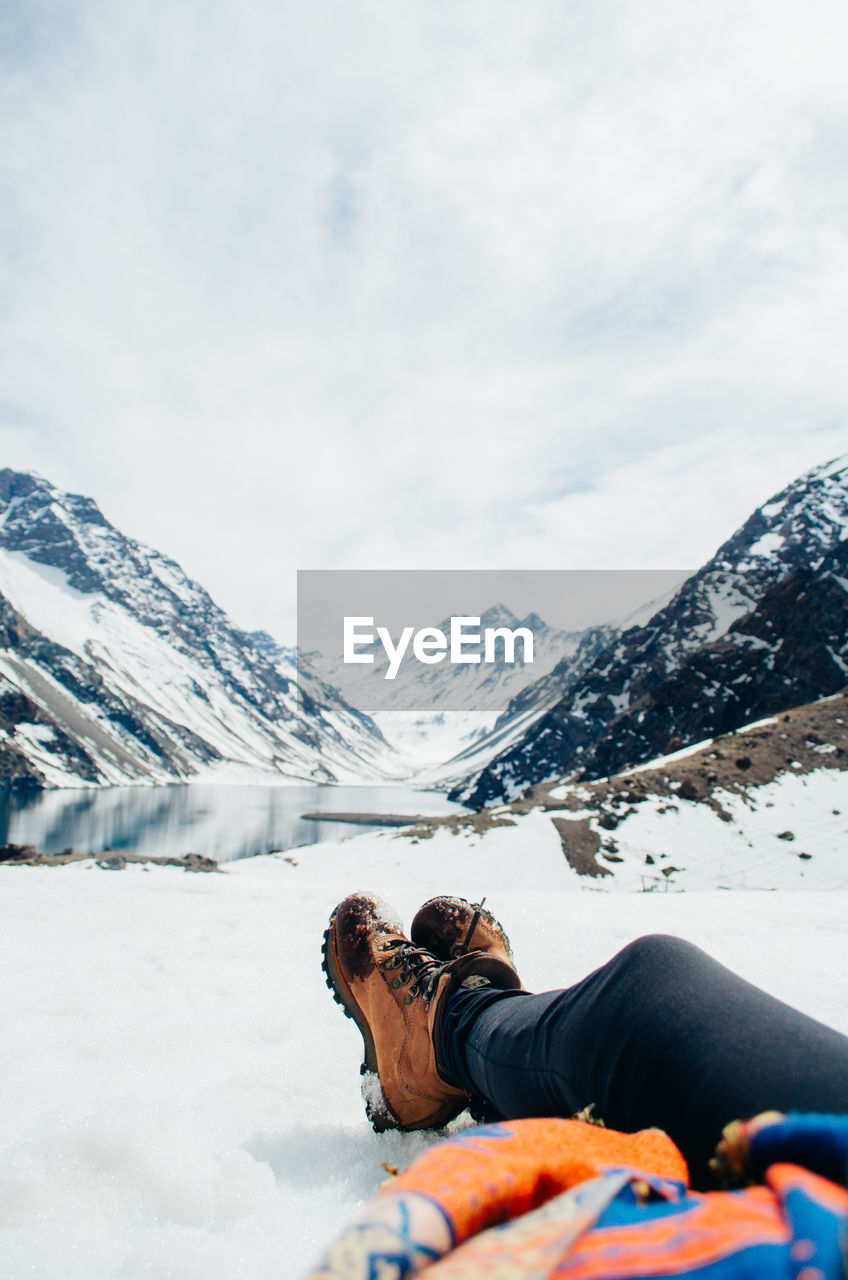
point(440, 283)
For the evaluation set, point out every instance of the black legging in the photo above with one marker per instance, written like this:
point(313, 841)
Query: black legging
point(662, 1035)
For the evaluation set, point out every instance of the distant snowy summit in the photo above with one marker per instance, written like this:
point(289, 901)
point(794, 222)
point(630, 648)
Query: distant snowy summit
point(763, 626)
point(115, 667)
point(470, 686)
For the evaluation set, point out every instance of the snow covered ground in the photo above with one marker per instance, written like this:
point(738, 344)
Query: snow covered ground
point(790, 833)
point(182, 1094)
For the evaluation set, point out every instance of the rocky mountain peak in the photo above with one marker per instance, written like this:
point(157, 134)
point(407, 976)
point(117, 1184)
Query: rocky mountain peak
point(18, 484)
point(798, 524)
point(498, 616)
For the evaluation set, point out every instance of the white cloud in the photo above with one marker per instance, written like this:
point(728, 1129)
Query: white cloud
point(353, 285)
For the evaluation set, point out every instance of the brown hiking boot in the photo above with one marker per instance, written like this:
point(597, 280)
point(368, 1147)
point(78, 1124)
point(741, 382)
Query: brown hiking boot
point(450, 927)
point(392, 990)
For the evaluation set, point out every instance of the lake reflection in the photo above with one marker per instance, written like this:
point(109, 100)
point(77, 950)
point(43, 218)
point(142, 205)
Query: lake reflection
point(222, 822)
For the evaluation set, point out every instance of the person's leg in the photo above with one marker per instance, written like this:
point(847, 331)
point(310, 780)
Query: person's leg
point(662, 1035)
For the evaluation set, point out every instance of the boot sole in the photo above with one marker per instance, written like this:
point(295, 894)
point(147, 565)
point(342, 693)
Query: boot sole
point(343, 996)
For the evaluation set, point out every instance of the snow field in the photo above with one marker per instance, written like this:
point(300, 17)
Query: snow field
point(182, 1094)
point(761, 847)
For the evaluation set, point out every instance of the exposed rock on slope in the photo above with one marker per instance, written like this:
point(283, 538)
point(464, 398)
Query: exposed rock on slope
point(791, 649)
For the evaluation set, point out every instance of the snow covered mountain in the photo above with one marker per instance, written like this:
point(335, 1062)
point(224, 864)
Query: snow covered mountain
point(115, 667)
point(523, 710)
point(454, 706)
point(469, 687)
point(638, 693)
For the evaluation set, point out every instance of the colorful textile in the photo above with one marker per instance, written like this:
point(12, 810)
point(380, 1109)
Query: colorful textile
point(561, 1200)
point(501, 1171)
point(813, 1141)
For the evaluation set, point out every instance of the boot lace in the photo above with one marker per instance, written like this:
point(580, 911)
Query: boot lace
point(462, 948)
point(417, 967)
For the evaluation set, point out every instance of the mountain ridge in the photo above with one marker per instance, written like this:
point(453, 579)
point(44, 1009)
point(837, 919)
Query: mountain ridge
point(130, 672)
point(792, 530)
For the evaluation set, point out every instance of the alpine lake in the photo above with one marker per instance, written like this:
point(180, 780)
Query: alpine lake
point(220, 821)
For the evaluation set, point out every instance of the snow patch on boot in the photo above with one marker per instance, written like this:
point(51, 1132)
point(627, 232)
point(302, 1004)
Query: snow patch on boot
point(376, 1107)
point(385, 912)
